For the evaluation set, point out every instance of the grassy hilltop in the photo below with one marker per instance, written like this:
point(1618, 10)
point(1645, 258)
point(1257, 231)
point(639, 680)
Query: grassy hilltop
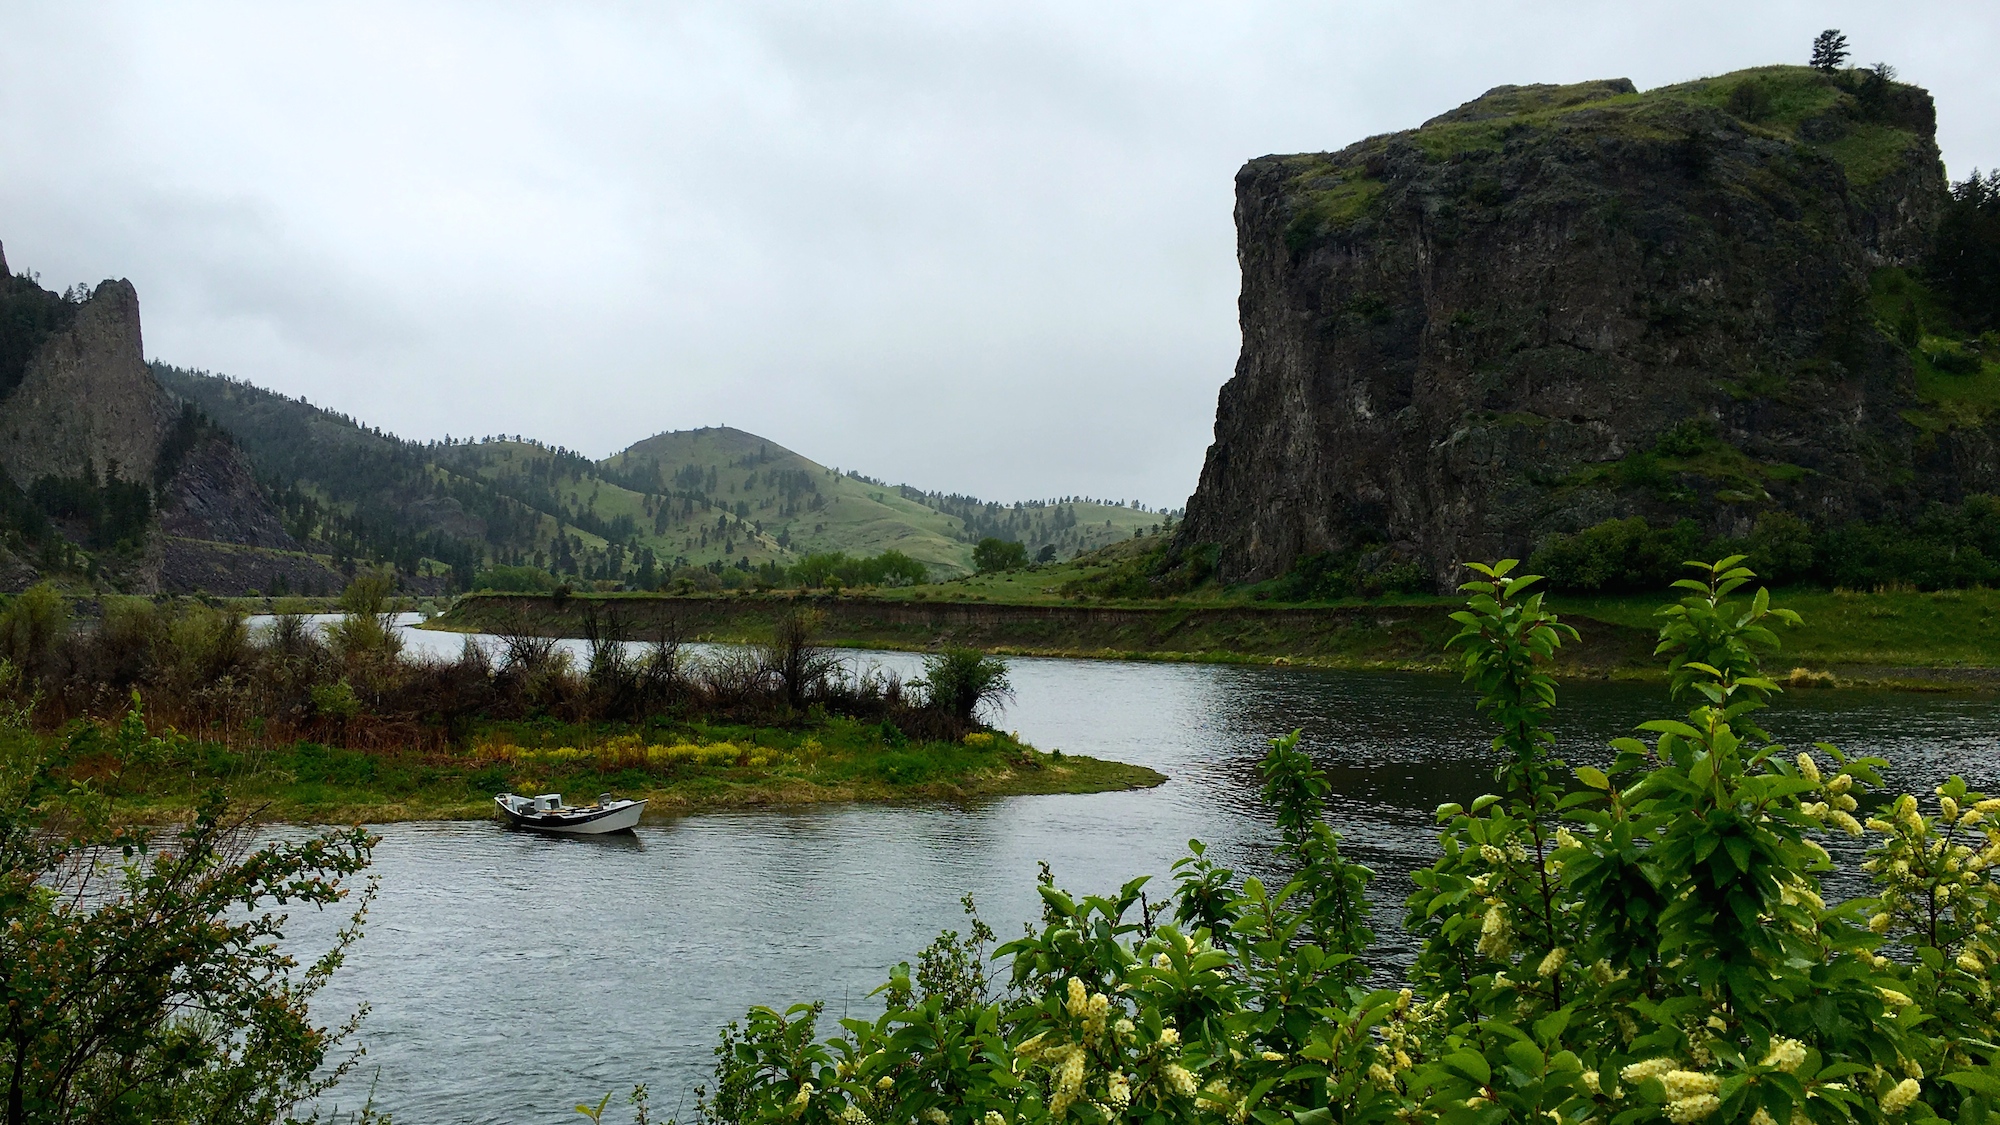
point(707, 497)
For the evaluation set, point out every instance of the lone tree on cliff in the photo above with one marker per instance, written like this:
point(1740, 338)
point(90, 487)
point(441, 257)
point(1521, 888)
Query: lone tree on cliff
point(1829, 50)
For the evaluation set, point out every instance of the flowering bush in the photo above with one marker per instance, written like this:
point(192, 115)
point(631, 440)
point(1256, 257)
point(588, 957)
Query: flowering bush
point(1631, 944)
point(630, 752)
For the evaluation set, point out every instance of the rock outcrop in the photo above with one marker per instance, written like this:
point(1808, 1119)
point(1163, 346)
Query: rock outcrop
point(1557, 305)
point(213, 495)
point(77, 400)
point(86, 398)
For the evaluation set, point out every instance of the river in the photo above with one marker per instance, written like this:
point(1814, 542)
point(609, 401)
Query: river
point(511, 977)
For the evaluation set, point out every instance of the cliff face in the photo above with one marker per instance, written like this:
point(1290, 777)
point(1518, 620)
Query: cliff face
point(87, 397)
point(76, 394)
point(213, 495)
point(1559, 305)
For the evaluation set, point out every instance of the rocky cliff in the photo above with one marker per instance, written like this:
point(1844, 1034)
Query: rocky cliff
point(81, 412)
point(86, 397)
point(1557, 305)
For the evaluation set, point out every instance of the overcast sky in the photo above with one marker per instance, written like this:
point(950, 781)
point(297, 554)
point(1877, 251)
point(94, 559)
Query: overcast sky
point(976, 247)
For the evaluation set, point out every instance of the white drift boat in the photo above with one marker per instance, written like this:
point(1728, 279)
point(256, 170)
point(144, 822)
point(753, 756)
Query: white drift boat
point(548, 813)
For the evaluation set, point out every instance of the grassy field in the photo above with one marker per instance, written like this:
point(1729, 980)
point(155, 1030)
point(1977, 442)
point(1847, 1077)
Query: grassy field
point(678, 768)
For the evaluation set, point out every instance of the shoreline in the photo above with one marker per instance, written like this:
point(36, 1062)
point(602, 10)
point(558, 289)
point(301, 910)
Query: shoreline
point(1028, 773)
point(1409, 637)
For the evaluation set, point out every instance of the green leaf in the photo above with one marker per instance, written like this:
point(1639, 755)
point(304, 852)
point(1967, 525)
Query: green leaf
point(1593, 777)
point(1702, 771)
point(1978, 1081)
point(1552, 1025)
point(1470, 1064)
point(1527, 1056)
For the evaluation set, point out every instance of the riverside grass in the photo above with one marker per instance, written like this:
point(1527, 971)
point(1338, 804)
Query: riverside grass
point(678, 768)
point(1942, 640)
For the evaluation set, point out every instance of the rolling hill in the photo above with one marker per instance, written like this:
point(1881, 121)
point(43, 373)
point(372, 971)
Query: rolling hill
point(712, 497)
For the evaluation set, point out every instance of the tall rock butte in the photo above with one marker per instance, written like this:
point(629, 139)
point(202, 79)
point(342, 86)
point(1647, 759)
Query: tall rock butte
point(1455, 336)
point(86, 397)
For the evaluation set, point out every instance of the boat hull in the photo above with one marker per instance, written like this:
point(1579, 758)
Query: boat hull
point(621, 817)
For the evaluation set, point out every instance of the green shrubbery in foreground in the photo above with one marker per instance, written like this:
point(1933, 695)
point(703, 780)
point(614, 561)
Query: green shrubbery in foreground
point(1633, 944)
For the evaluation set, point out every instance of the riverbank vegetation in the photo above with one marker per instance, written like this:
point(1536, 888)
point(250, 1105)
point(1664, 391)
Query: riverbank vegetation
point(1943, 639)
point(1651, 941)
point(145, 974)
point(154, 704)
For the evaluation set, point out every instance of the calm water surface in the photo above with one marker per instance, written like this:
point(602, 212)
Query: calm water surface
point(511, 976)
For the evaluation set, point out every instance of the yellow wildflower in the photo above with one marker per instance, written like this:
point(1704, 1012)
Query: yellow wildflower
point(1180, 1081)
point(1590, 1082)
point(1844, 820)
point(1379, 1074)
point(1970, 962)
point(1651, 1068)
point(1682, 1110)
point(1493, 932)
point(1491, 854)
point(1808, 768)
point(936, 1116)
point(993, 1118)
point(1553, 963)
point(1079, 997)
point(1894, 998)
point(1682, 1084)
point(1118, 1090)
point(1948, 808)
point(1840, 784)
point(1785, 1054)
point(1900, 1096)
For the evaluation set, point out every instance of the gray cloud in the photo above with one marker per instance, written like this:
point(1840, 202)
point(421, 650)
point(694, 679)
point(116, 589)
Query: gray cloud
point(984, 248)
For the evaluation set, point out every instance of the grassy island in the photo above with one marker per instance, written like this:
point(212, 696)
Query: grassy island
point(679, 768)
point(151, 707)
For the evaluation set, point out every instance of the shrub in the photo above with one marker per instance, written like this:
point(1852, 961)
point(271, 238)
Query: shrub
point(515, 580)
point(1750, 100)
point(1617, 555)
point(160, 988)
point(1688, 438)
point(32, 624)
point(994, 555)
point(959, 681)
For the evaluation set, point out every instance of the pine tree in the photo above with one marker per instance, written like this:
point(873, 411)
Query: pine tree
point(1829, 50)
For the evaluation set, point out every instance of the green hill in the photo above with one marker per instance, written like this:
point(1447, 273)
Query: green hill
point(711, 497)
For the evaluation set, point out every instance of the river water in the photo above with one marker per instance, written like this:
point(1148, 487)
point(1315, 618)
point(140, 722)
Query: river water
point(511, 977)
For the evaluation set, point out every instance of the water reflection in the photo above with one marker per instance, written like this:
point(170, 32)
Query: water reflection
point(513, 976)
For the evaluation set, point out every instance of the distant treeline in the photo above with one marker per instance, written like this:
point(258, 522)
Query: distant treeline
point(830, 570)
